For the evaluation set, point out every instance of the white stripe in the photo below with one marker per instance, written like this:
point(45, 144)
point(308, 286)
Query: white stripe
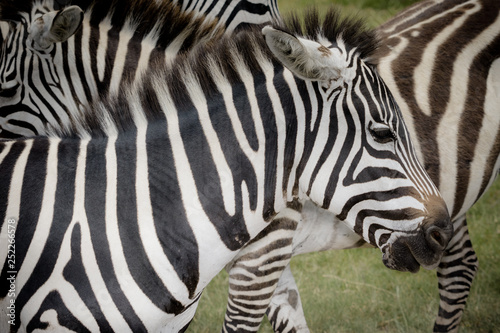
point(281, 125)
point(152, 244)
point(142, 305)
point(148, 44)
point(45, 217)
point(102, 47)
point(301, 128)
point(244, 17)
point(385, 70)
point(92, 269)
point(3, 233)
point(225, 175)
point(448, 140)
point(56, 280)
point(65, 95)
point(422, 76)
point(91, 84)
point(124, 37)
point(14, 194)
point(213, 254)
point(256, 158)
point(33, 100)
point(486, 141)
point(324, 174)
point(174, 47)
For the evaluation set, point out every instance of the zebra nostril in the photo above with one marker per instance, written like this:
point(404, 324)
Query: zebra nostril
point(437, 238)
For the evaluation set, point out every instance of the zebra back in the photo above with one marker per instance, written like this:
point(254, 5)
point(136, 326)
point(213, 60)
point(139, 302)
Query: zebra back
point(444, 71)
point(234, 14)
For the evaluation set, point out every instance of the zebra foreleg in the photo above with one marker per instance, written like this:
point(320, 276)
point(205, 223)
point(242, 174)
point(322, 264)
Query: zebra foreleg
point(455, 275)
point(254, 274)
point(285, 311)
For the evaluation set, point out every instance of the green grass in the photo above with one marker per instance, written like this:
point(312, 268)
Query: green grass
point(375, 12)
point(352, 291)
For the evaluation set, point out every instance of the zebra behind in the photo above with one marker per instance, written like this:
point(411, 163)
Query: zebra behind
point(456, 124)
point(121, 225)
point(48, 79)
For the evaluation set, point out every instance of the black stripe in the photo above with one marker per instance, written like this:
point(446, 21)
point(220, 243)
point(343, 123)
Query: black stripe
point(76, 273)
point(137, 260)
point(31, 197)
point(310, 135)
point(271, 143)
point(7, 168)
point(286, 100)
point(64, 316)
point(176, 236)
point(63, 213)
point(347, 146)
point(95, 199)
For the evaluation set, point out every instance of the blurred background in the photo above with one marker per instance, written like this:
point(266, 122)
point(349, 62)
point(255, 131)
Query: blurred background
point(351, 290)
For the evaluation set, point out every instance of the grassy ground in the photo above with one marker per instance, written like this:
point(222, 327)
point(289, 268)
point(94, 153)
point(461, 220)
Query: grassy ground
point(352, 291)
point(375, 12)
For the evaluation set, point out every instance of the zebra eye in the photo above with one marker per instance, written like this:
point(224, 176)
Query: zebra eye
point(382, 134)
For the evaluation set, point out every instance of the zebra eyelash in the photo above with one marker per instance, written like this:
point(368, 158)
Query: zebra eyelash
point(382, 134)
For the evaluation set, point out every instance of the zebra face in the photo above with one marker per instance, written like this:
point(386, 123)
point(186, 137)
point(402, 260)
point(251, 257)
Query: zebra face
point(31, 90)
point(362, 166)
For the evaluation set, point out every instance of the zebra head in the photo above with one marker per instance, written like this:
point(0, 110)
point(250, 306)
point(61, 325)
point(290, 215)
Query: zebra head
point(28, 60)
point(362, 165)
point(55, 61)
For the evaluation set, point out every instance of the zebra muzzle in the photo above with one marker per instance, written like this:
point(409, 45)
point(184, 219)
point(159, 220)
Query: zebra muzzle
point(425, 248)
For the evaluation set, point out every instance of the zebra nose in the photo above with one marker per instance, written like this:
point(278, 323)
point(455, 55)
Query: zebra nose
point(438, 228)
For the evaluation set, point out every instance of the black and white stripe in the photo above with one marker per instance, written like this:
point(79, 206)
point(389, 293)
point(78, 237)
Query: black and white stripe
point(45, 83)
point(122, 224)
point(441, 60)
point(234, 14)
point(450, 51)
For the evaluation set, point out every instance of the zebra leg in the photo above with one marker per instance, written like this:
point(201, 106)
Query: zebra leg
point(254, 274)
point(455, 274)
point(285, 310)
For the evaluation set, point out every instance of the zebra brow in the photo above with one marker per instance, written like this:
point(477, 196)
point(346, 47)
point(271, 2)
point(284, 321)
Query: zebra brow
point(226, 59)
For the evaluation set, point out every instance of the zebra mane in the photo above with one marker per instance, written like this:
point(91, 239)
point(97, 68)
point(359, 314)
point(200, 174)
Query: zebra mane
point(165, 19)
point(225, 54)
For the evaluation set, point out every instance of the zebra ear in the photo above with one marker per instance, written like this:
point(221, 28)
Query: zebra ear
point(55, 27)
point(307, 59)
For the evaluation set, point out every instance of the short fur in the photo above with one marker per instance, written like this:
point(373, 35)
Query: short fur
point(223, 51)
point(164, 16)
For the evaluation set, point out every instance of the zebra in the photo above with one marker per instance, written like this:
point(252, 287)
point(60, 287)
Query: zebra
point(416, 48)
point(121, 222)
point(234, 15)
point(47, 80)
